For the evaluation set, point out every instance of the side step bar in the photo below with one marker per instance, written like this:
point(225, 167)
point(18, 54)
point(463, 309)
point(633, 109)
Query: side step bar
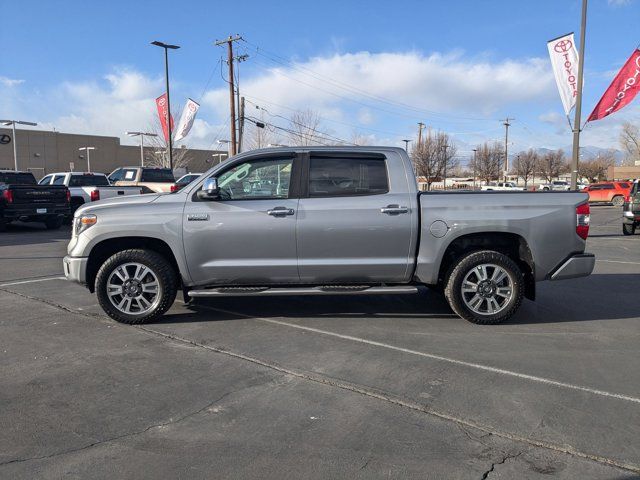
point(322, 290)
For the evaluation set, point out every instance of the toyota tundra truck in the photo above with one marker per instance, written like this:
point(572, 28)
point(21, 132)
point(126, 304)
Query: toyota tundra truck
point(326, 221)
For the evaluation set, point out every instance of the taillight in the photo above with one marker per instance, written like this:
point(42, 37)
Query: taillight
point(68, 196)
point(8, 196)
point(174, 188)
point(94, 195)
point(627, 198)
point(583, 218)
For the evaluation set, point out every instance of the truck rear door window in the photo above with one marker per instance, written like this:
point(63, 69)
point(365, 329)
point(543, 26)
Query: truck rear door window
point(88, 181)
point(129, 174)
point(343, 176)
point(58, 180)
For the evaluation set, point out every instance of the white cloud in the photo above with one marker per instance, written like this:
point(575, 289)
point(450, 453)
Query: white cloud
point(10, 82)
point(437, 82)
point(619, 3)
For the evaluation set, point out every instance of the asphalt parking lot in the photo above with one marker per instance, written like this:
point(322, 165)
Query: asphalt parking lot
point(325, 387)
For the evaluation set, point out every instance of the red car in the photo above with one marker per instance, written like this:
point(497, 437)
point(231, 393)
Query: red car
point(608, 192)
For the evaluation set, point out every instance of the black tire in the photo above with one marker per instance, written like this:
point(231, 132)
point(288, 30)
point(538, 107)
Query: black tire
point(628, 228)
point(53, 223)
point(617, 201)
point(3, 225)
point(453, 290)
point(161, 268)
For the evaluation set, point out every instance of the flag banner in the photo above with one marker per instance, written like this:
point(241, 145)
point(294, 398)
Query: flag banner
point(621, 91)
point(564, 60)
point(186, 120)
point(161, 103)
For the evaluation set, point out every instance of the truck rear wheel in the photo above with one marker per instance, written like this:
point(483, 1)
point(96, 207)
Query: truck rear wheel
point(486, 287)
point(53, 223)
point(135, 286)
point(628, 228)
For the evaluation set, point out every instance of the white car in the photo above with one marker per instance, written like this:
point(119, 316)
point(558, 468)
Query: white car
point(87, 187)
point(501, 186)
point(556, 186)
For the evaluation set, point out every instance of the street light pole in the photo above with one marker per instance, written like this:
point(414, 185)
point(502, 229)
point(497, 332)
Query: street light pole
point(475, 151)
point(141, 135)
point(88, 150)
point(13, 123)
point(166, 47)
point(578, 112)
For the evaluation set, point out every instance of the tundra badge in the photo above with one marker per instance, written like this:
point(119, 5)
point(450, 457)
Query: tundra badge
point(198, 217)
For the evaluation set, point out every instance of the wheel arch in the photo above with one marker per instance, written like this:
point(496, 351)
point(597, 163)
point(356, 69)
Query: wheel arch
point(106, 248)
point(510, 244)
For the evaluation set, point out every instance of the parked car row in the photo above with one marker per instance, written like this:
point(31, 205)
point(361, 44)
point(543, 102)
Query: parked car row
point(55, 198)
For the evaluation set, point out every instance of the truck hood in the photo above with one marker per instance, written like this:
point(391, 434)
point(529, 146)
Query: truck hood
point(94, 207)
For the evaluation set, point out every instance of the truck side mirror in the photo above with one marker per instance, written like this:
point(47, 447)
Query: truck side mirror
point(210, 190)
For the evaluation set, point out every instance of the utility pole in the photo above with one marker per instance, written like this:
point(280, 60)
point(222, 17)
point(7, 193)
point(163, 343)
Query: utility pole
point(420, 127)
point(506, 146)
point(232, 104)
point(241, 124)
point(576, 121)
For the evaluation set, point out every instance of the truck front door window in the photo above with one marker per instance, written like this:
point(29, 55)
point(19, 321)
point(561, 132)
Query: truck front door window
point(257, 179)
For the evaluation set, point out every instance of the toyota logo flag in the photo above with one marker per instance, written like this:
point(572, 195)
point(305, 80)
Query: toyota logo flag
point(186, 120)
point(161, 103)
point(564, 59)
point(621, 91)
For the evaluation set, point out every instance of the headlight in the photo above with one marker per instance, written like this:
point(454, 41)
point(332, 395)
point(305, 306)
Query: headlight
point(83, 222)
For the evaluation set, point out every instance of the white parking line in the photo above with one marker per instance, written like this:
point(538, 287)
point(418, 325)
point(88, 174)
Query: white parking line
point(34, 280)
point(618, 261)
point(478, 366)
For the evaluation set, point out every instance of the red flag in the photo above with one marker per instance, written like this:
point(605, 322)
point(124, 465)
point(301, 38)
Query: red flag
point(161, 103)
point(621, 91)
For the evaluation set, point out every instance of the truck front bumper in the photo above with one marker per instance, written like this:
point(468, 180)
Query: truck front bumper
point(75, 269)
point(577, 265)
point(630, 217)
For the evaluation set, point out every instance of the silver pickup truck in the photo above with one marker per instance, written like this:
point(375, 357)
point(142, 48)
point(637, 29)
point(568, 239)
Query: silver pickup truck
point(326, 221)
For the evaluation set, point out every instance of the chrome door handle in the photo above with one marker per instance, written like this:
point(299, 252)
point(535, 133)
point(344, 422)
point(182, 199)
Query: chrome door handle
point(280, 211)
point(394, 210)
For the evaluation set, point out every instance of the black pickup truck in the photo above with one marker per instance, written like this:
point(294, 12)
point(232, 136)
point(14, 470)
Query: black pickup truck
point(21, 198)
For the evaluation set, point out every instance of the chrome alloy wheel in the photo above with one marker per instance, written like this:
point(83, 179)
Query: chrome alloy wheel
point(487, 289)
point(133, 288)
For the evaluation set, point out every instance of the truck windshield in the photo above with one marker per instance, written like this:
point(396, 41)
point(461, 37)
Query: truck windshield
point(17, 178)
point(160, 175)
point(88, 181)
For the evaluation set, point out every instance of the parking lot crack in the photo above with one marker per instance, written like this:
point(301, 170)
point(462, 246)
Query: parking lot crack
point(506, 457)
point(171, 421)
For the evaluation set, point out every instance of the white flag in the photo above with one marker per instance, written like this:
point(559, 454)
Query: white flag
point(564, 59)
point(186, 120)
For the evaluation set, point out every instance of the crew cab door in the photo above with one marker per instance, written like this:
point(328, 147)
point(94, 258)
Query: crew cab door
point(354, 220)
point(248, 235)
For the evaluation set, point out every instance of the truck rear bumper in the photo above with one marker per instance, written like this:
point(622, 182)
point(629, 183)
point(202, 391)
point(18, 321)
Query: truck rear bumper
point(577, 265)
point(75, 269)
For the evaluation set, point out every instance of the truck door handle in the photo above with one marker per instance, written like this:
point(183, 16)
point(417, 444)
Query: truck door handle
point(280, 211)
point(394, 210)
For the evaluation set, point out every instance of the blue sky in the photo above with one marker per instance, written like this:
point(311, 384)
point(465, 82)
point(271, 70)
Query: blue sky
point(459, 66)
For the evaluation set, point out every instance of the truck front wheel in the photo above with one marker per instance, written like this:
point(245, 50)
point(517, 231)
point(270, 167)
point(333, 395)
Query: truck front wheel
point(135, 286)
point(486, 287)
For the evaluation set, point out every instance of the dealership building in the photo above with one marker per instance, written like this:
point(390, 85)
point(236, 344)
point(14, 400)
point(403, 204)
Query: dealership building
point(43, 152)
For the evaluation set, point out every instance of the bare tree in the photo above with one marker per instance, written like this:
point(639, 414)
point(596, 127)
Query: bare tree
point(630, 143)
point(259, 137)
point(488, 161)
point(525, 165)
point(158, 155)
point(595, 169)
point(434, 156)
point(304, 126)
point(358, 138)
point(552, 164)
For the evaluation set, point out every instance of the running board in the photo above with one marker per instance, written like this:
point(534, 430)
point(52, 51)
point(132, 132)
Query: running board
point(321, 290)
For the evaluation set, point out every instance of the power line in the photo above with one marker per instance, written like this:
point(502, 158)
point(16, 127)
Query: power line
point(352, 89)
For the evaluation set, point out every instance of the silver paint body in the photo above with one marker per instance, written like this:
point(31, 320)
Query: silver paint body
point(337, 240)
